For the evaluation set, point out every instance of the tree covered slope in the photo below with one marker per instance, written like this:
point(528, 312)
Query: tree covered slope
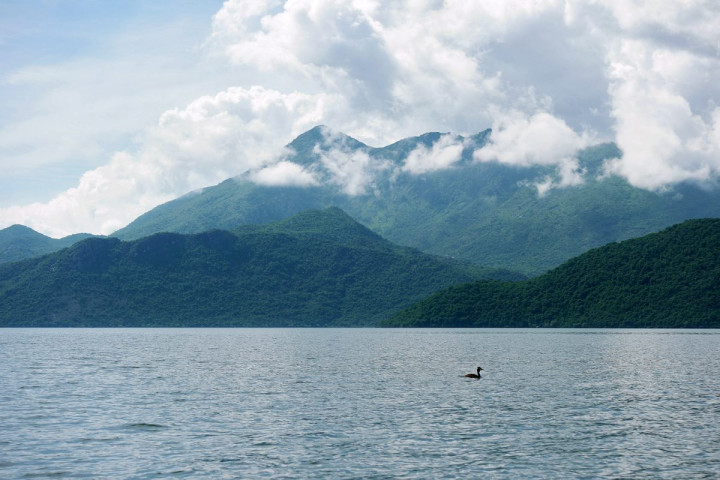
point(319, 268)
point(18, 242)
point(669, 279)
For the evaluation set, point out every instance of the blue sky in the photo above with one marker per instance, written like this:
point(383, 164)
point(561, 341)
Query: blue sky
point(108, 109)
point(68, 65)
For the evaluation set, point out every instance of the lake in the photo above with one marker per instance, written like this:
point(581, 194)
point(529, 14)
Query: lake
point(359, 403)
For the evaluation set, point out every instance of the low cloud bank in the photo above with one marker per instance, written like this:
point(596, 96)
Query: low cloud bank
point(443, 154)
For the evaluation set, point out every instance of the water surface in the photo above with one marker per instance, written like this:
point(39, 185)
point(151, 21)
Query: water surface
point(359, 403)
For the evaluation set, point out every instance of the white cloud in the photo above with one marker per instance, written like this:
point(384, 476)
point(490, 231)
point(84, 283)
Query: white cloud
point(541, 139)
point(403, 68)
point(664, 137)
point(283, 173)
point(213, 138)
point(691, 23)
point(568, 175)
point(446, 151)
point(352, 170)
point(401, 71)
point(548, 75)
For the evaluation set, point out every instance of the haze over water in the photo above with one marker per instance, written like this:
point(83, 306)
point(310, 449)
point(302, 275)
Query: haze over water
point(359, 403)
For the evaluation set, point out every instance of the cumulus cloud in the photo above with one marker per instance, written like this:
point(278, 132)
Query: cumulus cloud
point(549, 76)
point(209, 140)
point(397, 68)
point(446, 151)
point(283, 174)
point(344, 165)
point(567, 175)
point(666, 135)
point(541, 139)
point(333, 41)
point(351, 171)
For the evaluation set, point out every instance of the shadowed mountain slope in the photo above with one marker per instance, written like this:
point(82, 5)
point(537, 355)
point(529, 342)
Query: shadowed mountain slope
point(314, 269)
point(18, 242)
point(669, 279)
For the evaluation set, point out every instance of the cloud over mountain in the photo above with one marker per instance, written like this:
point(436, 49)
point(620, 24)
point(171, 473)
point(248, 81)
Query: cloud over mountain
point(549, 77)
point(443, 154)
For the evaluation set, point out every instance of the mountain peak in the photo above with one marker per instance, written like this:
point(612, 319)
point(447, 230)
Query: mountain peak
point(319, 268)
point(331, 223)
point(326, 138)
point(18, 229)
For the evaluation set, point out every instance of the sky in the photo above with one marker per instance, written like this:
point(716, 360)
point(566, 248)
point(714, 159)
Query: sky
point(108, 109)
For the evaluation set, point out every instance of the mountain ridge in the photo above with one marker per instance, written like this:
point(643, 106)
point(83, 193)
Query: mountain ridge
point(18, 242)
point(319, 269)
point(669, 279)
point(487, 213)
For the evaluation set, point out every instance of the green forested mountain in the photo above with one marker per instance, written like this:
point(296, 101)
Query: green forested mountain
point(314, 269)
point(486, 213)
point(18, 242)
point(483, 212)
point(669, 279)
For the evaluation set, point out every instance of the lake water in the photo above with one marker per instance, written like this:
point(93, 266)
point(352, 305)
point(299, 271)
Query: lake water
point(359, 403)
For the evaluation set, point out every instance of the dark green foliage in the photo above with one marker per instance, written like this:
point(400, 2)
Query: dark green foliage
point(18, 242)
point(485, 213)
point(669, 279)
point(314, 269)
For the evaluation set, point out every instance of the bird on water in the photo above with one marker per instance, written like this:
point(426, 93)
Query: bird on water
point(475, 375)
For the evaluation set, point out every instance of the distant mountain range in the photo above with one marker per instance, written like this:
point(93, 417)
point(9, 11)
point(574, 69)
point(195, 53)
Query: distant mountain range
point(259, 250)
point(484, 212)
point(321, 268)
point(18, 242)
point(317, 268)
point(669, 279)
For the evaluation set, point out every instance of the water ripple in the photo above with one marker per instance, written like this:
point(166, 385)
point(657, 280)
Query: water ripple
point(359, 404)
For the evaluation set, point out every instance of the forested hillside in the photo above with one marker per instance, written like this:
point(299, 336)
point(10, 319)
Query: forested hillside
point(18, 242)
point(669, 279)
point(315, 269)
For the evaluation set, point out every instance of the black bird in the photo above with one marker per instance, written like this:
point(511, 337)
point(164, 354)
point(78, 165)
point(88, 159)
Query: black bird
point(475, 376)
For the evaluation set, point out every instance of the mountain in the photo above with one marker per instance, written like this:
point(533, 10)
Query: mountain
point(318, 268)
point(18, 242)
point(483, 212)
point(669, 279)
